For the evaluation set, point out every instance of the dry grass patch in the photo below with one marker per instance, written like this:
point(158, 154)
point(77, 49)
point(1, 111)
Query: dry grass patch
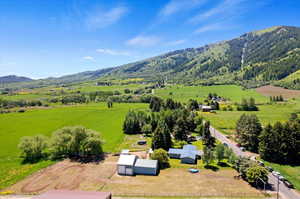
point(179, 182)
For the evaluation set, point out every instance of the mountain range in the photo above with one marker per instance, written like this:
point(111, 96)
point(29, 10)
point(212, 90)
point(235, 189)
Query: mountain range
point(13, 79)
point(266, 56)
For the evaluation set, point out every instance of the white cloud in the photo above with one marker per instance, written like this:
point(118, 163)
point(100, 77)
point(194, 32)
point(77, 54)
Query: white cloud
point(226, 9)
point(89, 58)
point(113, 52)
point(102, 19)
point(174, 6)
point(143, 41)
point(209, 27)
point(177, 42)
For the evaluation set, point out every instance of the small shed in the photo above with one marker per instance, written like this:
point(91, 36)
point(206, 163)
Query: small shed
point(126, 164)
point(65, 194)
point(188, 157)
point(174, 153)
point(206, 108)
point(146, 167)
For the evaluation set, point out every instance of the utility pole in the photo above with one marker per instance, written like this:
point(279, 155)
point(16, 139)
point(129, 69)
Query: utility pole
point(277, 187)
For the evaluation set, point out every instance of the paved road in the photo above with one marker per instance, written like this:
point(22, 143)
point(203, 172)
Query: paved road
point(283, 190)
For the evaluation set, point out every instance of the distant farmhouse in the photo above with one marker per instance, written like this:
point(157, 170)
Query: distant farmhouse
point(188, 154)
point(130, 165)
point(206, 108)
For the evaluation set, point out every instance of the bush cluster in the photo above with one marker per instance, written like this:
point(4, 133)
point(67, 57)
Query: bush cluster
point(70, 142)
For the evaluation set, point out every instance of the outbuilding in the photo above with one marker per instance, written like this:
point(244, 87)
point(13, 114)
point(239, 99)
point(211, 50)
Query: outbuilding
point(188, 157)
point(146, 167)
point(126, 165)
point(206, 108)
point(65, 194)
point(174, 153)
point(188, 154)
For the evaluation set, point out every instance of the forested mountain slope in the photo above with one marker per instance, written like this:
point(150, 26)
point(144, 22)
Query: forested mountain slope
point(261, 57)
point(266, 56)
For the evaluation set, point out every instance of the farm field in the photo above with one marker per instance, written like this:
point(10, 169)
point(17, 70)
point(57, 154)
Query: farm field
point(268, 113)
point(275, 91)
point(13, 126)
point(232, 92)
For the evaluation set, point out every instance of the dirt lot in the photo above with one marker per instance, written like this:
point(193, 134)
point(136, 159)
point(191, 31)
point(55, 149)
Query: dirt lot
point(276, 91)
point(103, 177)
point(68, 175)
point(182, 183)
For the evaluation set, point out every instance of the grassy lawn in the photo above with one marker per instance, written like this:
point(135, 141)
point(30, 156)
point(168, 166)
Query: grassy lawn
point(13, 126)
point(231, 92)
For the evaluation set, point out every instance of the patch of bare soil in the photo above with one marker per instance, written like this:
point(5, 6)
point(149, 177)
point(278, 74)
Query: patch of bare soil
point(276, 91)
point(68, 175)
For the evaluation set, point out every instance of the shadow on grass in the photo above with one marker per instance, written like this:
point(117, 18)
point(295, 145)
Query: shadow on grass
point(211, 167)
point(223, 164)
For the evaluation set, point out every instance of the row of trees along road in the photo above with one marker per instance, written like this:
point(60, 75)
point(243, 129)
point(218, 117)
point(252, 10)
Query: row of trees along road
point(278, 143)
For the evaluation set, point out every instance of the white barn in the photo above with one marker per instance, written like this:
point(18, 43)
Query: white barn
point(126, 165)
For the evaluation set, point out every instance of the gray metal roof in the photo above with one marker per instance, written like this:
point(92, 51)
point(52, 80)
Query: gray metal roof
point(146, 163)
point(188, 154)
point(189, 147)
point(175, 151)
point(187, 151)
point(127, 160)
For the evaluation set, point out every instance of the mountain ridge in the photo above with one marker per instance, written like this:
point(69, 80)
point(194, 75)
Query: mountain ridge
point(13, 79)
point(257, 57)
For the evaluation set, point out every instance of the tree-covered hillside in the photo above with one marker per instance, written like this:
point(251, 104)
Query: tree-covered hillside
point(265, 56)
point(256, 58)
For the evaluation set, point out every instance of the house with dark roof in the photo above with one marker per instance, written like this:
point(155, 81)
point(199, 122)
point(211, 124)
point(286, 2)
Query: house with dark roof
point(188, 154)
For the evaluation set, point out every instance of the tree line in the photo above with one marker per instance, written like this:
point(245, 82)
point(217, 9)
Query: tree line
point(278, 143)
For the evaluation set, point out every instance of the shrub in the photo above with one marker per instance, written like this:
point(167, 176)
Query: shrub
point(162, 157)
point(255, 174)
point(76, 142)
point(33, 148)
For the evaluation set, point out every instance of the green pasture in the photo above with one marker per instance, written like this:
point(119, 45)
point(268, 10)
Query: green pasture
point(268, 113)
point(13, 126)
point(231, 92)
point(291, 173)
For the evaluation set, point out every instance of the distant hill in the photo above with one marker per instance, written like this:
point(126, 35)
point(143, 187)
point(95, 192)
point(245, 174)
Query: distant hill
point(261, 56)
point(253, 59)
point(13, 79)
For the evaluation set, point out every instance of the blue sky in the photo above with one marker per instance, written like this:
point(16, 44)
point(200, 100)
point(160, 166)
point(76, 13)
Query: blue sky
point(42, 38)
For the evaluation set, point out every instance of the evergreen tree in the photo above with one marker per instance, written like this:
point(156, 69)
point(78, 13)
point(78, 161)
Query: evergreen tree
point(248, 129)
point(180, 130)
point(156, 104)
point(208, 139)
point(170, 104)
point(192, 105)
point(162, 137)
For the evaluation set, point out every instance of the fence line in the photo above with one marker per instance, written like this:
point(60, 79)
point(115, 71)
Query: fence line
point(230, 195)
